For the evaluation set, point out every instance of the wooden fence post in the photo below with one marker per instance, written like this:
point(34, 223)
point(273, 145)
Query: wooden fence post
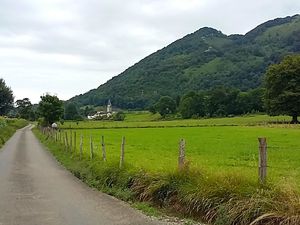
point(67, 141)
point(64, 140)
point(122, 152)
point(61, 136)
point(181, 154)
point(262, 167)
point(91, 147)
point(75, 141)
point(81, 145)
point(71, 141)
point(103, 149)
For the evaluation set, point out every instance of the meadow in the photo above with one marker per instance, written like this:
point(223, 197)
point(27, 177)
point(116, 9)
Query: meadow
point(146, 120)
point(215, 149)
point(220, 186)
point(215, 145)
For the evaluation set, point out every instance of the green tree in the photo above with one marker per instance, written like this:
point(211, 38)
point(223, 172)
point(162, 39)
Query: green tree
point(166, 105)
point(119, 116)
point(50, 108)
point(192, 104)
point(6, 98)
point(186, 107)
point(256, 99)
point(282, 83)
point(152, 109)
point(25, 109)
point(222, 101)
point(243, 103)
point(87, 110)
point(71, 112)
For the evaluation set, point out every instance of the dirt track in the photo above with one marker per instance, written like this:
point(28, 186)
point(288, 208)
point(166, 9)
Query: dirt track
point(36, 190)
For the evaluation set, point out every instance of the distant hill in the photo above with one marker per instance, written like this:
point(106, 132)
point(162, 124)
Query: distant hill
point(200, 61)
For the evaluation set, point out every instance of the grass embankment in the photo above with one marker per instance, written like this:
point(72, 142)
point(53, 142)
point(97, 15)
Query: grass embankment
point(8, 128)
point(225, 197)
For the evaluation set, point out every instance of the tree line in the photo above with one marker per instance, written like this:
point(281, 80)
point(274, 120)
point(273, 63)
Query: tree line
point(50, 108)
point(219, 102)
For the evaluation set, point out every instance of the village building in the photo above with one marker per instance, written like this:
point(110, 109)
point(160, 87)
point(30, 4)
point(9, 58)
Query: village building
point(102, 114)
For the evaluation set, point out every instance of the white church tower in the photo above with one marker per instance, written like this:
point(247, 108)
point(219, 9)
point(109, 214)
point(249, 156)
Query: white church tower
point(109, 107)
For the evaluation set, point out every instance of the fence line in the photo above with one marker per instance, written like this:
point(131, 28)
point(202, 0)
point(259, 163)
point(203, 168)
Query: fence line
point(70, 145)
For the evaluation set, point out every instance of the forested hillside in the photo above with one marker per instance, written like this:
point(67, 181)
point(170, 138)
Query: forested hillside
point(202, 60)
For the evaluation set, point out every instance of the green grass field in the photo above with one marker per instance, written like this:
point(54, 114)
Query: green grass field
point(140, 120)
point(213, 148)
point(221, 187)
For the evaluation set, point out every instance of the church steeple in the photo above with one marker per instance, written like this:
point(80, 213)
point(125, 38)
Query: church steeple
point(109, 107)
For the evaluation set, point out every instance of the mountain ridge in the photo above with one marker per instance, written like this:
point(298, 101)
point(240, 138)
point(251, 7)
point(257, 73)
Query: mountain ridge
point(201, 60)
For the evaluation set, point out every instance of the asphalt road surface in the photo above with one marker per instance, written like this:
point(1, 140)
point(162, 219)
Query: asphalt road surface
point(36, 190)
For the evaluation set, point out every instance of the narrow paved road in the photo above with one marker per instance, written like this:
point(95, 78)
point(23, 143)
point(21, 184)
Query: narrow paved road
point(35, 190)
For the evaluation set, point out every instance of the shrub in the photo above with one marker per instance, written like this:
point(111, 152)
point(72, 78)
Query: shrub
point(119, 116)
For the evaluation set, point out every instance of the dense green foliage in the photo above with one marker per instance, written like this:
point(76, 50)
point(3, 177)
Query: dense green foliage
point(218, 102)
point(119, 116)
point(283, 88)
point(221, 101)
point(200, 61)
point(165, 106)
point(25, 109)
point(87, 110)
point(8, 127)
point(192, 104)
point(6, 98)
point(71, 112)
point(50, 108)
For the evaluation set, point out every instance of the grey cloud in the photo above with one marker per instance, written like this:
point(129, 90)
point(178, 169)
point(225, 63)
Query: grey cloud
point(46, 44)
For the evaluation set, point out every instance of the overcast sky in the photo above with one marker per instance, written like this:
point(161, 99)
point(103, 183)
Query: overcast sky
point(67, 47)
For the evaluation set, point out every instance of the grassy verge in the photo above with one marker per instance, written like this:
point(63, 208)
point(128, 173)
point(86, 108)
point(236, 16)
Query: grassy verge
point(220, 199)
point(8, 128)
